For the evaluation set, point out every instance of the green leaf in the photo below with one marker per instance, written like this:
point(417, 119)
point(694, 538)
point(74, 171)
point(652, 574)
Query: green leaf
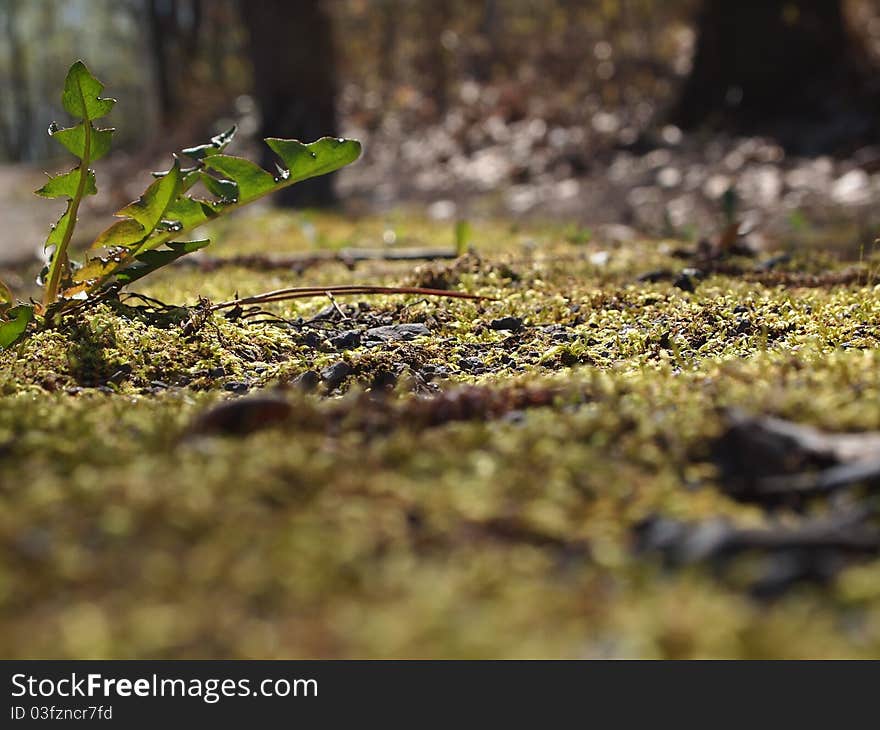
point(217, 144)
point(66, 185)
point(164, 212)
point(189, 178)
point(150, 208)
point(12, 330)
point(93, 269)
point(59, 229)
point(318, 158)
point(149, 261)
point(81, 96)
point(74, 139)
point(251, 180)
point(223, 189)
point(189, 212)
point(124, 233)
point(301, 162)
point(292, 152)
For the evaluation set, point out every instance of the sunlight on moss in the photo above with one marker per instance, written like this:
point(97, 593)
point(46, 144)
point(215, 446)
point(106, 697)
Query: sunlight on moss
point(353, 529)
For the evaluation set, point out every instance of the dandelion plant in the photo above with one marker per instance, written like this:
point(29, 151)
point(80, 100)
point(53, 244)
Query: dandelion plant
point(143, 239)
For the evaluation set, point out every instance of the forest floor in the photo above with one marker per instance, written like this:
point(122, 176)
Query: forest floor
point(564, 470)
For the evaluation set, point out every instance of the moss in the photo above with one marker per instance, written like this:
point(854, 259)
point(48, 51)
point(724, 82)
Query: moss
point(362, 527)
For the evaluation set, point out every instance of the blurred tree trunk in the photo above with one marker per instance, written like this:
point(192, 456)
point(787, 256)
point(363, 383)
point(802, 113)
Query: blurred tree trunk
point(436, 17)
point(162, 21)
point(768, 59)
point(217, 17)
point(294, 69)
point(390, 14)
point(174, 27)
point(16, 137)
point(490, 32)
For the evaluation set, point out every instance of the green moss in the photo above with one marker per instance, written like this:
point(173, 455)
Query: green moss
point(356, 529)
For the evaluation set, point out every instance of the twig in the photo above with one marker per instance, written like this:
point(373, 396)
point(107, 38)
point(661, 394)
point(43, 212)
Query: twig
point(344, 256)
point(333, 301)
point(303, 292)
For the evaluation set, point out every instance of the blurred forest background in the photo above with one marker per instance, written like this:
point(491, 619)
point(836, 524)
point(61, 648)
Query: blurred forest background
point(628, 116)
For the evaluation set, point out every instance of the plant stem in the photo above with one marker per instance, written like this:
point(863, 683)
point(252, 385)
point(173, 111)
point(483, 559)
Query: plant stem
point(60, 263)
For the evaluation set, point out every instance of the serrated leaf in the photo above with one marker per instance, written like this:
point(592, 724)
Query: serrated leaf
point(74, 139)
point(223, 189)
point(217, 144)
point(14, 328)
point(124, 233)
point(150, 208)
point(94, 269)
point(81, 96)
point(66, 185)
point(149, 261)
point(189, 212)
point(291, 151)
point(188, 179)
point(242, 177)
point(304, 161)
point(251, 179)
point(59, 229)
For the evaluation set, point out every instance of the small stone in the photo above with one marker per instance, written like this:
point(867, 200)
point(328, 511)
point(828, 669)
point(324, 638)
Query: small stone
point(514, 324)
point(330, 312)
point(335, 374)
point(237, 386)
point(687, 280)
point(307, 381)
point(471, 364)
point(311, 339)
point(430, 372)
point(348, 340)
point(394, 332)
point(383, 380)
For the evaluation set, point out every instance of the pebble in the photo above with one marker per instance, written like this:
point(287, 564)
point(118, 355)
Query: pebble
point(348, 340)
point(394, 332)
point(335, 374)
point(307, 381)
point(687, 280)
point(471, 364)
point(506, 323)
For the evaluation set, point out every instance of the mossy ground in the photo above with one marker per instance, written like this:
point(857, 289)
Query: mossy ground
point(374, 534)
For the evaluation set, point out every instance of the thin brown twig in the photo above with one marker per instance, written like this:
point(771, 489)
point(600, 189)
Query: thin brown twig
point(302, 292)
